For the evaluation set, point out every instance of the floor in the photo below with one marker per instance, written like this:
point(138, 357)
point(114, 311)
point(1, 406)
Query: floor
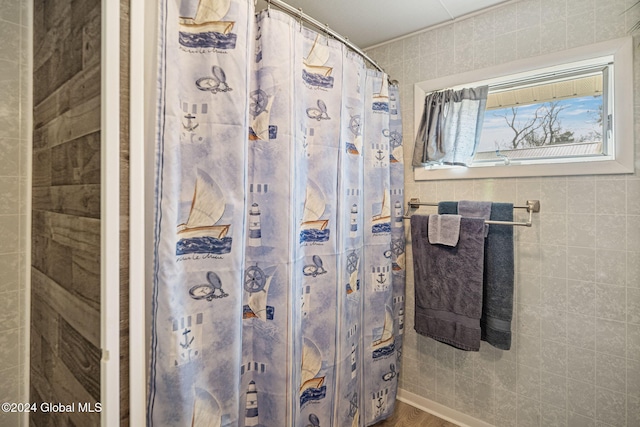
point(408, 416)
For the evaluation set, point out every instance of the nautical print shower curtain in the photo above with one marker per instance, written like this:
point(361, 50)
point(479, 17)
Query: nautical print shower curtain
point(278, 286)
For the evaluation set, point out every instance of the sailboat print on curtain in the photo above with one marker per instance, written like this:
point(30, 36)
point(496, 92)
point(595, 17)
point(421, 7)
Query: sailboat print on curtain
point(384, 344)
point(315, 72)
point(202, 232)
point(381, 98)
point(207, 411)
point(207, 29)
point(314, 227)
point(312, 385)
point(293, 291)
point(381, 223)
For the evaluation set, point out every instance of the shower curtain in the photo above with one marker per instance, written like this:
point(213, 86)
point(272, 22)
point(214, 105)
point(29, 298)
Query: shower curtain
point(279, 273)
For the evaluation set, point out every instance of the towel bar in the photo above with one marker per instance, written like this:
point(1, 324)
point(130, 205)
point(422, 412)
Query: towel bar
point(531, 207)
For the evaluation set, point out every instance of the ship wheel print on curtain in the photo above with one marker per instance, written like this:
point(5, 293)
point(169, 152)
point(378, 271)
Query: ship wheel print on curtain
point(258, 100)
point(254, 279)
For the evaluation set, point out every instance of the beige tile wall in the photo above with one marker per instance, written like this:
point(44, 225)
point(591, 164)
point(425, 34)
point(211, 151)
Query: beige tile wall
point(15, 110)
point(575, 359)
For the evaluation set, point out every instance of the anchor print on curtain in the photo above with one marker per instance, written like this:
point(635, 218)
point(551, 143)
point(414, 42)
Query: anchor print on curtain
point(278, 286)
point(196, 336)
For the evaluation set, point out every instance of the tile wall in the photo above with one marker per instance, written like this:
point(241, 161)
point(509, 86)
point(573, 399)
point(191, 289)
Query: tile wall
point(575, 359)
point(15, 111)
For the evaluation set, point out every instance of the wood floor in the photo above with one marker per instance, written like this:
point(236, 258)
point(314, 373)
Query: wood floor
point(408, 416)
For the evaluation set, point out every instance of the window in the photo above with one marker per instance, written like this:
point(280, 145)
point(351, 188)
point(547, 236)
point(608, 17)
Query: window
point(568, 113)
point(558, 115)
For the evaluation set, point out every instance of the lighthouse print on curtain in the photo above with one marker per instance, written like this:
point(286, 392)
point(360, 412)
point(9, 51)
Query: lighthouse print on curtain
point(278, 286)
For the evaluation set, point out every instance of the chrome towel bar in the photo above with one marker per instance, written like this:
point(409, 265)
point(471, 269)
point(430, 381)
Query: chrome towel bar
point(531, 207)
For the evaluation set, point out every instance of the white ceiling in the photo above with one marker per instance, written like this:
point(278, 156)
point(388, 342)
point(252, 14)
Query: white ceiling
point(369, 22)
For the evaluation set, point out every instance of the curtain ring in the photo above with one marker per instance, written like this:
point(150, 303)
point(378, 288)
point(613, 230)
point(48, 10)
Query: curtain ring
point(326, 33)
point(300, 18)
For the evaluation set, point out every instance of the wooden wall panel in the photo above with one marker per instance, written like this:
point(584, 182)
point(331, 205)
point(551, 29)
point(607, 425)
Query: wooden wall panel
point(74, 200)
point(80, 87)
point(75, 162)
point(65, 278)
point(46, 320)
point(74, 231)
point(81, 358)
point(76, 271)
point(76, 311)
point(74, 123)
point(124, 212)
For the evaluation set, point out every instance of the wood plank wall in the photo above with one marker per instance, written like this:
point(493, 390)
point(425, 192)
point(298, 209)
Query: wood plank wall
point(65, 284)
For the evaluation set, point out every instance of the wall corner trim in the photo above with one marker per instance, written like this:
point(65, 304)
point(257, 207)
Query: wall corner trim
point(110, 215)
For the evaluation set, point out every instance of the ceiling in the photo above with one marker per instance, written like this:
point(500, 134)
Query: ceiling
point(369, 22)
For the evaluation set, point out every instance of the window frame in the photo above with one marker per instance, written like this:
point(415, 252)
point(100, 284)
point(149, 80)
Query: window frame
point(620, 161)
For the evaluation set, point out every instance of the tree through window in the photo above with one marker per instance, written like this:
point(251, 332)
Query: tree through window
point(562, 113)
point(524, 120)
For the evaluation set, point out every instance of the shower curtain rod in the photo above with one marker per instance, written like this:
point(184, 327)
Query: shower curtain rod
point(298, 13)
point(531, 207)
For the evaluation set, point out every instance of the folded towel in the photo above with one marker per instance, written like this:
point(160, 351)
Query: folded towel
point(448, 284)
point(444, 229)
point(497, 309)
point(473, 209)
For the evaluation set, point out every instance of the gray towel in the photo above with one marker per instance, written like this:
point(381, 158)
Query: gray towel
point(497, 309)
point(474, 209)
point(444, 229)
point(448, 284)
point(450, 208)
